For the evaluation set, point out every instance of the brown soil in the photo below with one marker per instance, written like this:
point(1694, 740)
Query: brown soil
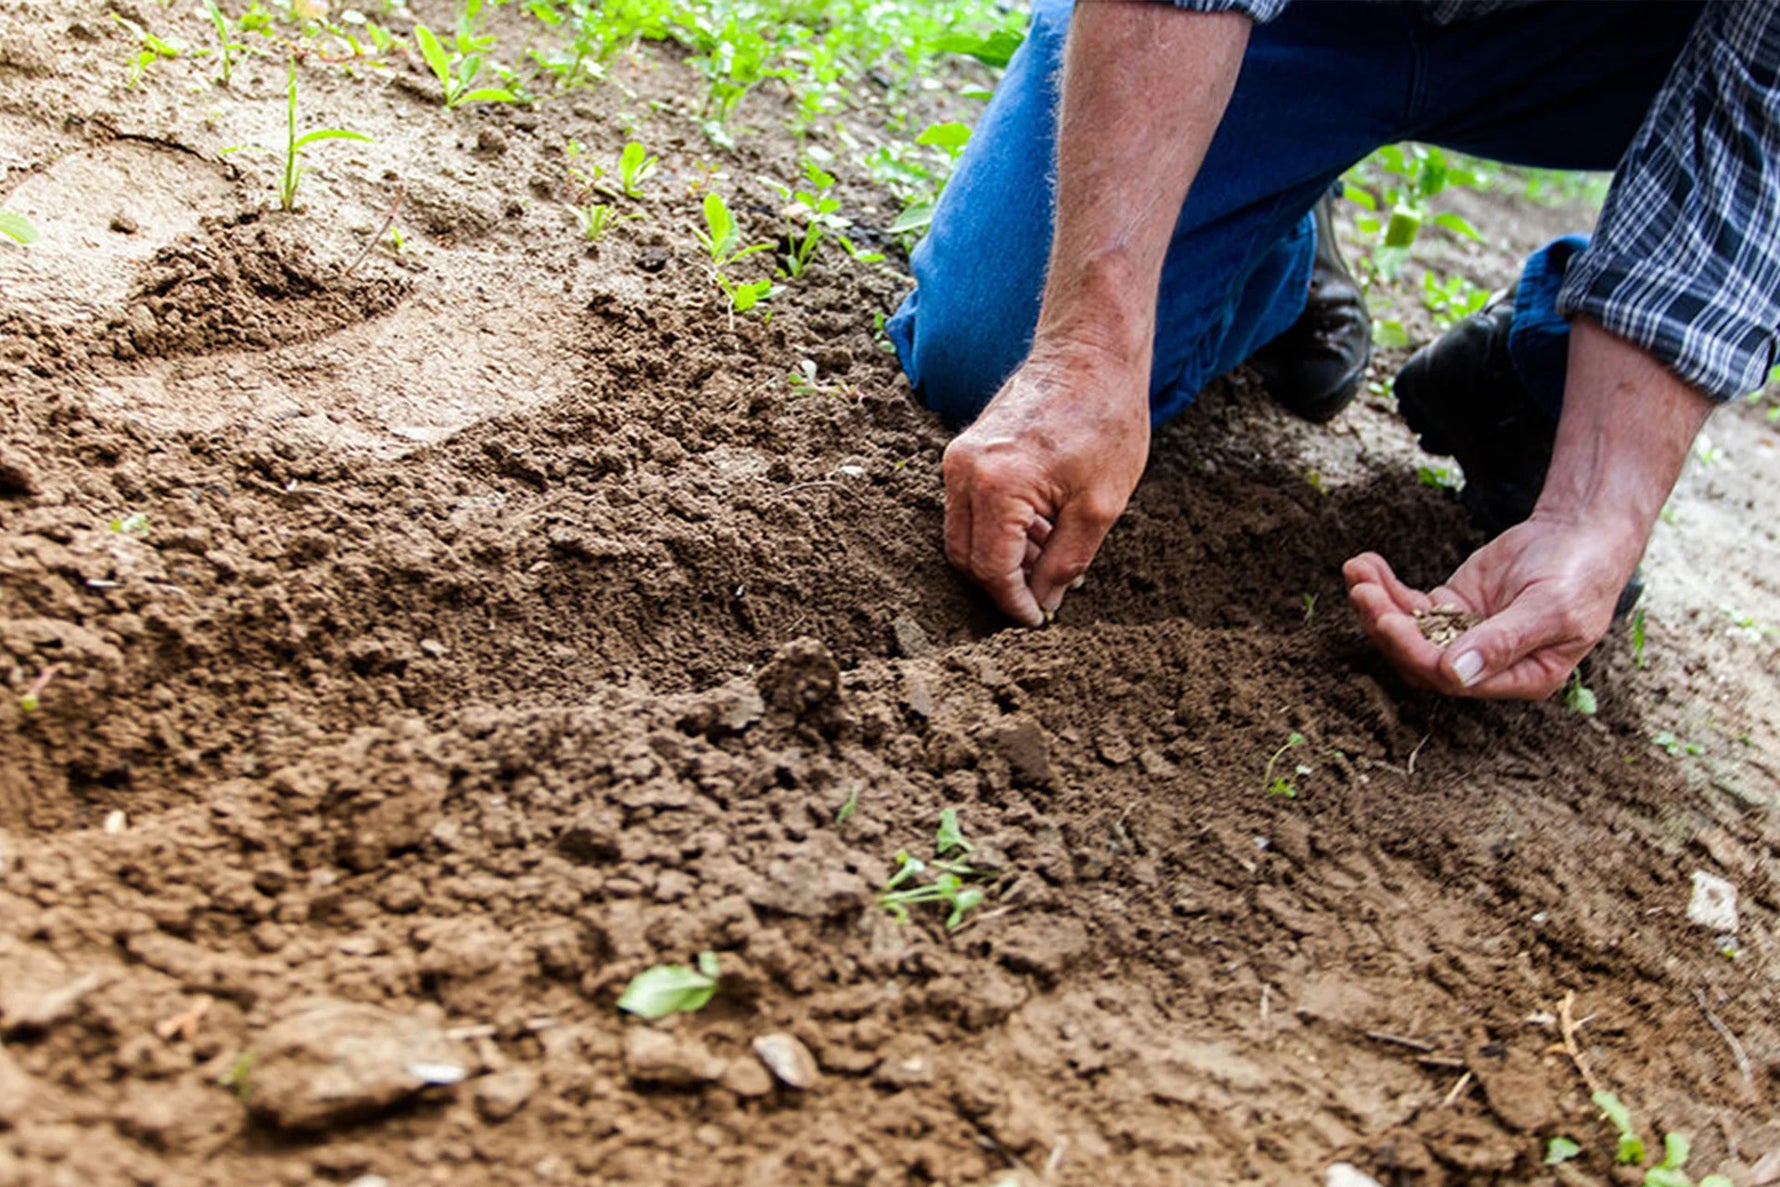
point(433, 644)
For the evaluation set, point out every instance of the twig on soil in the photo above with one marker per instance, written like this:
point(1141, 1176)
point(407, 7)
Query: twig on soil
point(1725, 1033)
point(1379, 1036)
point(1451, 1063)
point(1457, 1090)
point(371, 243)
point(1567, 1028)
point(184, 1025)
point(1409, 767)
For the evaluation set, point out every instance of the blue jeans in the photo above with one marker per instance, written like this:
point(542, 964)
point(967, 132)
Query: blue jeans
point(1553, 85)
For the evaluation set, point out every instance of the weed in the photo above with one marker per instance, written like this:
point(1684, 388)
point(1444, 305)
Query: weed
point(846, 810)
point(808, 213)
point(667, 989)
point(1676, 746)
point(634, 167)
point(1629, 1149)
point(225, 48)
point(152, 50)
point(457, 71)
point(947, 888)
point(17, 228)
point(1284, 785)
point(1578, 697)
point(594, 219)
point(722, 242)
point(294, 146)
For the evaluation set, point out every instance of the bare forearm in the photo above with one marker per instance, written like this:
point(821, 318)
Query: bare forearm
point(1144, 89)
point(1626, 429)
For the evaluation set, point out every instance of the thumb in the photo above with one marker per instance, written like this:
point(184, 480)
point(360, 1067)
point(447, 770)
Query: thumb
point(1487, 659)
point(1067, 554)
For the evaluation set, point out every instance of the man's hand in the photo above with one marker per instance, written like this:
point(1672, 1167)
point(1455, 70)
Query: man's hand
point(1546, 588)
point(1033, 485)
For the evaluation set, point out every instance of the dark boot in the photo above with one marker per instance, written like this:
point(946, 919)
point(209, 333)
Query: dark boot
point(1462, 395)
point(1314, 369)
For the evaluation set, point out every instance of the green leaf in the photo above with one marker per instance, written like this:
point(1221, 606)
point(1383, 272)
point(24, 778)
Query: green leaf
point(1658, 1176)
point(487, 95)
point(950, 835)
point(1389, 333)
point(707, 964)
point(435, 55)
point(1458, 226)
point(1561, 1150)
point(1676, 1148)
point(667, 989)
point(996, 50)
point(1631, 1149)
point(1358, 196)
point(1615, 1111)
point(17, 227)
point(722, 225)
point(950, 136)
point(962, 902)
point(329, 134)
point(1403, 228)
point(914, 218)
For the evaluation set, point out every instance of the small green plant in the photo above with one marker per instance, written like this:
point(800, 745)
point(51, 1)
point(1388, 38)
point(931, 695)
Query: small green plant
point(1561, 1149)
point(1676, 746)
point(1283, 784)
point(1308, 601)
point(594, 219)
point(152, 50)
point(667, 989)
point(846, 810)
point(294, 146)
point(226, 47)
point(1747, 626)
point(1452, 299)
point(457, 71)
point(948, 886)
point(17, 228)
point(1638, 639)
point(1579, 698)
point(1407, 177)
point(133, 524)
point(634, 167)
point(1438, 477)
point(236, 1079)
point(808, 214)
point(722, 242)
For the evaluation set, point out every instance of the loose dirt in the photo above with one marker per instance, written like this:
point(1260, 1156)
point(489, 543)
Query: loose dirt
point(424, 648)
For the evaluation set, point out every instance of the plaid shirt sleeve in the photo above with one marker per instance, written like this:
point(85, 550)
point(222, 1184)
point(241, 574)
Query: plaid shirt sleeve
point(1685, 260)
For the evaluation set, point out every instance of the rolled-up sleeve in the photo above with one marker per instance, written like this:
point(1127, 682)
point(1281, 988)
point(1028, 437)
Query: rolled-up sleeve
point(1685, 259)
point(1261, 11)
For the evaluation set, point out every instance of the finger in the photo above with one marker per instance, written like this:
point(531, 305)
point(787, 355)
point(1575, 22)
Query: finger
point(1522, 653)
point(958, 526)
point(1000, 529)
point(1036, 535)
point(1371, 569)
point(1396, 635)
point(1070, 549)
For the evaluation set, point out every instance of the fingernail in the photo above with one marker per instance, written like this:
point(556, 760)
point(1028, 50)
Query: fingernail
point(1081, 580)
point(1468, 667)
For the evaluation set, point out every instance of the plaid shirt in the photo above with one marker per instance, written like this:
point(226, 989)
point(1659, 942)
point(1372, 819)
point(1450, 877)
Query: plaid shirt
point(1685, 258)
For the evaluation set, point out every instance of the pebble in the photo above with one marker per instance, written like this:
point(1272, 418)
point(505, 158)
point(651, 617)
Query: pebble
point(747, 1078)
point(333, 1061)
point(1346, 1174)
point(1713, 904)
point(911, 641)
point(503, 1094)
point(788, 1060)
point(657, 1057)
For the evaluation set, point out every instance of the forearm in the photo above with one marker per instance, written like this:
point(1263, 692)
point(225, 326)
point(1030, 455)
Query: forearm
point(1626, 429)
point(1144, 89)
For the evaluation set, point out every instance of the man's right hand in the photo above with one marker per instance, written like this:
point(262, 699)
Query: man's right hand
point(1035, 483)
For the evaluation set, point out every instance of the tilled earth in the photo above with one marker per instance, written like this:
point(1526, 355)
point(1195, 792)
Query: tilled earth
point(423, 645)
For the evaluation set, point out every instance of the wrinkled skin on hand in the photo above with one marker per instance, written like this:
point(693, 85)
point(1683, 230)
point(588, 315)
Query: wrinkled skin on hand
point(1034, 484)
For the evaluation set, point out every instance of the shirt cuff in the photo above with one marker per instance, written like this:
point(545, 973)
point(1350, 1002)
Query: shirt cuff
point(1260, 11)
point(1694, 325)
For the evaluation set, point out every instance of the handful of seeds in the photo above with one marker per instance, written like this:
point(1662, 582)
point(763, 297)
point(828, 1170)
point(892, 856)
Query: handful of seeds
point(1444, 623)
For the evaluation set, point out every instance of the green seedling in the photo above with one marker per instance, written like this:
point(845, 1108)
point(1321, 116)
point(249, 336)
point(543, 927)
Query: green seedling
point(634, 167)
point(1579, 698)
point(1675, 746)
point(1408, 176)
point(236, 1079)
point(31, 699)
point(133, 524)
point(1389, 333)
point(722, 242)
point(152, 50)
point(1452, 299)
point(846, 810)
point(671, 989)
point(594, 219)
point(17, 228)
point(1308, 601)
point(1438, 477)
point(1748, 626)
point(295, 144)
point(948, 886)
point(1638, 638)
point(1283, 785)
point(226, 49)
point(457, 72)
point(1561, 1150)
point(808, 214)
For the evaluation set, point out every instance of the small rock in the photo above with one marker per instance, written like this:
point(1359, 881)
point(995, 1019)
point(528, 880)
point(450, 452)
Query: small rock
point(656, 1057)
point(788, 1060)
point(918, 697)
point(123, 224)
point(116, 822)
point(432, 648)
point(18, 473)
point(1714, 903)
point(747, 1078)
point(911, 641)
point(503, 1094)
point(907, 1069)
point(332, 1061)
point(1346, 1174)
point(1022, 743)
